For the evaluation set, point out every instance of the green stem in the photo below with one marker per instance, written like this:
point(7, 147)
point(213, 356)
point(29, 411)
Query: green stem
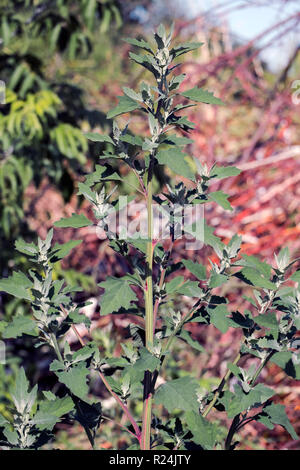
point(123, 406)
point(56, 347)
point(260, 367)
point(178, 328)
point(220, 388)
point(149, 264)
point(149, 331)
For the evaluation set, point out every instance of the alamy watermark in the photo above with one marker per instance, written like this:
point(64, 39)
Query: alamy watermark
point(130, 222)
point(296, 93)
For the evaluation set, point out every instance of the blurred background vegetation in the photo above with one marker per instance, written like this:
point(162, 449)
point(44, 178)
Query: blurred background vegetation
point(63, 62)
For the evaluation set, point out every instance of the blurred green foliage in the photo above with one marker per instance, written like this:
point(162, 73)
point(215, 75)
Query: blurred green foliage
point(41, 119)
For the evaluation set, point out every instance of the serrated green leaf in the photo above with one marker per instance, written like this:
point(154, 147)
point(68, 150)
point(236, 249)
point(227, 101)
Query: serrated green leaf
point(242, 401)
point(212, 240)
point(251, 261)
point(176, 81)
point(23, 399)
point(139, 244)
point(176, 51)
point(182, 122)
point(3, 421)
point(57, 407)
point(295, 276)
point(218, 317)
point(204, 432)
point(78, 318)
point(132, 94)
point(186, 337)
point(190, 289)
point(125, 105)
point(146, 361)
point(118, 293)
point(176, 161)
point(114, 385)
point(195, 268)
point(217, 280)
point(146, 61)
point(75, 380)
point(134, 279)
point(284, 359)
point(238, 320)
point(16, 285)
point(139, 43)
point(221, 172)
point(202, 96)
point(19, 326)
point(44, 421)
point(132, 139)
point(75, 221)
point(234, 369)
point(83, 353)
point(117, 362)
point(173, 139)
point(173, 285)
point(95, 137)
point(60, 251)
point(178, 394)
point(277, 415)
point(87, 192)
point(265, 420)
point(221, 199)
point(268, 320)
point(49, 395)
point(56, 365)
point(256, 279)
point(11, 436)
point(26, 248)
point(101, 173)
point(234, 246)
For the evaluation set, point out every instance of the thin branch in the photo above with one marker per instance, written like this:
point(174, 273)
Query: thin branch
point(118, 424)
point(109, 389)
point(220, 388)
point(292, 152)
point(160, 285)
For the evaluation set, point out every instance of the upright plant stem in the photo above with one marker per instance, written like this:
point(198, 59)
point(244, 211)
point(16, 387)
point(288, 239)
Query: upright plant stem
point(149, 264)
point(149, 330)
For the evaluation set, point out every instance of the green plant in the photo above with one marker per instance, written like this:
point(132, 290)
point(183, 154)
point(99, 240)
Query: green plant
point(269, 329)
